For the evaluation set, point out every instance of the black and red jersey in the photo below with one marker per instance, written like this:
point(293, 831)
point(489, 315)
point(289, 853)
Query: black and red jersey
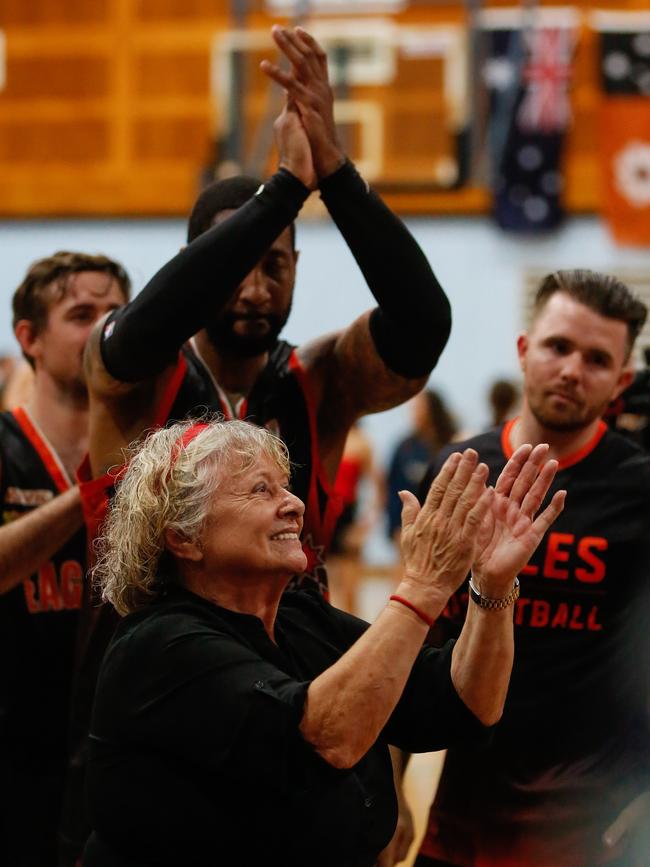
point(38, 623)
point(39, 616)
point(572, 748)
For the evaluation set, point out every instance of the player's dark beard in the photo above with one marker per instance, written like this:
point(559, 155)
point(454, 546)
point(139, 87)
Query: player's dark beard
point(221, 333)
point(565, 425)
point(568, 424)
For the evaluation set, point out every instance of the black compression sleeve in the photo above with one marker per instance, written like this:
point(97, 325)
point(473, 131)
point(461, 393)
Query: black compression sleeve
point(144, 337)
point(412, 323)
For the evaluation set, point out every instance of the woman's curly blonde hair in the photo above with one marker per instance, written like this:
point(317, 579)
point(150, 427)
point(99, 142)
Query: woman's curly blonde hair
point(169, 485)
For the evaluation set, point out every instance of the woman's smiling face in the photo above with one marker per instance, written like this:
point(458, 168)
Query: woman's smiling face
point(253, 525)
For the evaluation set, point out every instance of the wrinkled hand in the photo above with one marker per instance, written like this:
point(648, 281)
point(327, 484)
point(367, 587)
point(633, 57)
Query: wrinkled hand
point(293, 145)
point(307, 85)
point(439, 540)
point(510, 531)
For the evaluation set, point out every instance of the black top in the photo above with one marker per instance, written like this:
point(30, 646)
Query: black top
point(572, 748)
point(196, 755)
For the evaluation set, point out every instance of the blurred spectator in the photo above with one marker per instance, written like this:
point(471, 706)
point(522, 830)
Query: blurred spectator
point(360, 512)
point(504, 397)
point(433, 427)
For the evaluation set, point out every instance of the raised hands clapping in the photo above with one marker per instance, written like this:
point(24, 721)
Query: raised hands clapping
point(463, 524)
point(308, 89)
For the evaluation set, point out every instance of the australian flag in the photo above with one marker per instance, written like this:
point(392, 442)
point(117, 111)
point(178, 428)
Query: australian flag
point(527, 72)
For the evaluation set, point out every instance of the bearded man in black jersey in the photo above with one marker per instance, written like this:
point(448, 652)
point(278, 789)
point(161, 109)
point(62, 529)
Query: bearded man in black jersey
point(43, 544)
point(562, 783)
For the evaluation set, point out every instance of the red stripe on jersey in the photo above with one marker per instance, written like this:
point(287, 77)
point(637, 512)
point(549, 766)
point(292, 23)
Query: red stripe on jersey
point(171, 392)
point(506, 445)
point(576, 457)
point(45, 452)
point(569, 460)
point(94, 494)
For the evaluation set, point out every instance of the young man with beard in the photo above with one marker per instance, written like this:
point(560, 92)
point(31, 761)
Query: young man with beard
point(571, 752)
point(43, 544)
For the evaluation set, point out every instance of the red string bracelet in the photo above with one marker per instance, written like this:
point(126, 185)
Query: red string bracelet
point(425, 617)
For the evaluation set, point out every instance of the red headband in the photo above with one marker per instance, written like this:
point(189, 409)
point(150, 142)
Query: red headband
point(183, 441)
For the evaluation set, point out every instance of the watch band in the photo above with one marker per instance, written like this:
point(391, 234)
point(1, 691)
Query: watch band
point(494, 604)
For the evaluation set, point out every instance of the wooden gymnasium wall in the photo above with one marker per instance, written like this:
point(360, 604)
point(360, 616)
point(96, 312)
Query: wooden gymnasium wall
point(106, 106)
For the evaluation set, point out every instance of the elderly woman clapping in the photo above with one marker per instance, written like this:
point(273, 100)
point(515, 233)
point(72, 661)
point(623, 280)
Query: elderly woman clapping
point(237, 725)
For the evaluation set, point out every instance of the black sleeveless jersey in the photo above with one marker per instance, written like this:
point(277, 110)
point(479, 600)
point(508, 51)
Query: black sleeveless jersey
point(573, 747)
point(39, 616)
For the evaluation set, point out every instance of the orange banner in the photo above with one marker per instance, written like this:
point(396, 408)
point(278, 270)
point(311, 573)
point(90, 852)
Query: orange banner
point(626, 163)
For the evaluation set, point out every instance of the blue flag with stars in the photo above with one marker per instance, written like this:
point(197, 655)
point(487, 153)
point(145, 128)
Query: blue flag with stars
point(527, 72)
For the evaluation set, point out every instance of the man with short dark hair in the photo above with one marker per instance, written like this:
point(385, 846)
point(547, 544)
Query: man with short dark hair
point(43, 543)
point(571, 752)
